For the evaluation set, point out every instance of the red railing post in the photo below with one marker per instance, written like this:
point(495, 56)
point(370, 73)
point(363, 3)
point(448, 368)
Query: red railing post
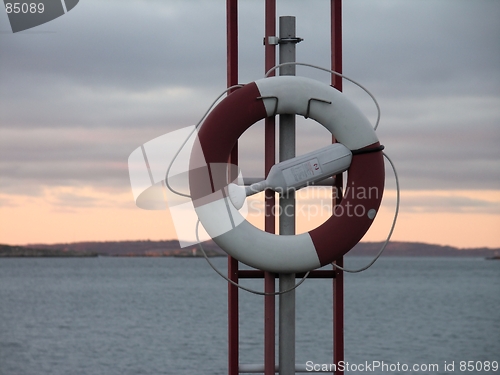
point(338, 281)
point(232, 269)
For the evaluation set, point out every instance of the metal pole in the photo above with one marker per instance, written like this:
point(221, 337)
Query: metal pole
point(287, 207)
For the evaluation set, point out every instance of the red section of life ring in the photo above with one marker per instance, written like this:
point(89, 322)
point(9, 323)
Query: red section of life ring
point(345, 228)
point(332, 239)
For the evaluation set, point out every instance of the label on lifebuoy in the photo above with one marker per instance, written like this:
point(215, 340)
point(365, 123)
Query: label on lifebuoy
point(302, 172)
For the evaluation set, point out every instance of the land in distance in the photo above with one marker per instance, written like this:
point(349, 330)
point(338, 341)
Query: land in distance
point(172, 248)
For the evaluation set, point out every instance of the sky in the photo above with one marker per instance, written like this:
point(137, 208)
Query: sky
point(80, 93)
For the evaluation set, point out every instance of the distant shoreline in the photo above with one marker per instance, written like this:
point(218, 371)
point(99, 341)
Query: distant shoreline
point(7, 251)
point(171, 248)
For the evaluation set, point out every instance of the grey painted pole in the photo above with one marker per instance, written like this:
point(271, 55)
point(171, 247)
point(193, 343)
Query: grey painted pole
point(287, 206)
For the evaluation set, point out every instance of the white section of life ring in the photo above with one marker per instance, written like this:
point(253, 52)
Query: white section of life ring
point(254, 247)
point(342, 118)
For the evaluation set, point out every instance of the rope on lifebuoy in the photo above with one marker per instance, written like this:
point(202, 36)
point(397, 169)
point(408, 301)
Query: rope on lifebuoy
point(208, 186)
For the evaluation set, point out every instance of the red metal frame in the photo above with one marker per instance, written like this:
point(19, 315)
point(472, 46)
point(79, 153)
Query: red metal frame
point(338, 281)
point(336, 41)
point(270, 135)
point(232, 266)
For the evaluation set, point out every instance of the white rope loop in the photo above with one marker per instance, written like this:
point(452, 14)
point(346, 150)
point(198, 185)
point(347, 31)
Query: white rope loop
point(307, 274)
point(385, 155)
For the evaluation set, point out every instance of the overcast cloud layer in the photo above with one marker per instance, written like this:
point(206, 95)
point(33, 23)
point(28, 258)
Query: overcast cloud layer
point(79, 94)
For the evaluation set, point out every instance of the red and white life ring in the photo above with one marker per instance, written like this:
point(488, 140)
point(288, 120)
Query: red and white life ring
point(286, 253)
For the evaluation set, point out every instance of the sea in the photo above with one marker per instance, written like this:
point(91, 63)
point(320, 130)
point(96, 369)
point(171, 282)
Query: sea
point(131, 316)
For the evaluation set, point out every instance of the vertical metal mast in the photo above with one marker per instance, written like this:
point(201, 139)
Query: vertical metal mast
point(287, 207)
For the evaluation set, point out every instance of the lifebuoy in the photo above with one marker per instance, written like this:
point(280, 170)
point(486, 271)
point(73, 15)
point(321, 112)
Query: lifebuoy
point(220, 132)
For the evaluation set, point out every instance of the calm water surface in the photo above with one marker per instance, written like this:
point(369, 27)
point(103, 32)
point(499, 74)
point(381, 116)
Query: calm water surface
point(168, 315)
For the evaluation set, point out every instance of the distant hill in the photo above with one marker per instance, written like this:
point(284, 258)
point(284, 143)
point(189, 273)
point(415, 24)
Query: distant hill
point(136, 248)
point(7, 251)
point(172, 248)
point(421, 249)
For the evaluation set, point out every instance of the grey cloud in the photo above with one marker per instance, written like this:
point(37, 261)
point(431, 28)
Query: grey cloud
point(127, 45)
point(77, 99)
point(426, 46)
point(68, 157)
point(162, 108)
